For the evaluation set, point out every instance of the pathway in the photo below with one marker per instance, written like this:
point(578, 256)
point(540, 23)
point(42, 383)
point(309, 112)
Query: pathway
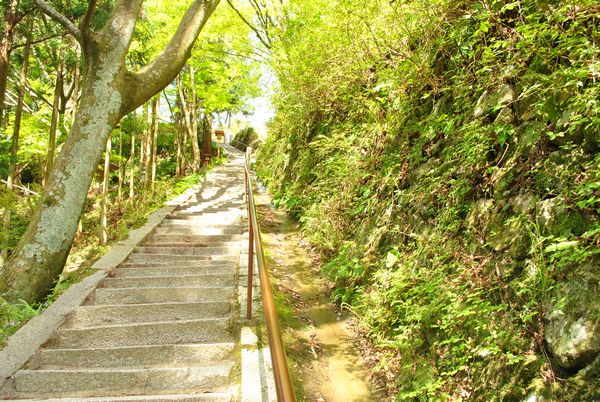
point(163, 325)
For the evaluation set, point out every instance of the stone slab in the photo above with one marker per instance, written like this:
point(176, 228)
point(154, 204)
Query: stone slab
point(129, 380)
point(155, 333)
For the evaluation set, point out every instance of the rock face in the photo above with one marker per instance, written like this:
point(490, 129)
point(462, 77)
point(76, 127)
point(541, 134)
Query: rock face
point(555, 219)
point(492, 100)
point(573, 321)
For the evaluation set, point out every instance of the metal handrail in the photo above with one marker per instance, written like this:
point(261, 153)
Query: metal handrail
point(240, 142)
point(283, 381)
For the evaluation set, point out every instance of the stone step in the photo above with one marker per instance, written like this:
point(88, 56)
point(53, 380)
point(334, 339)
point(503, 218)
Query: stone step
point(169, 281)
point(200, 224)
point(188, 294)
point(188, 251)
point(90, 316)
point(138, 334)
point(144, 258)
point(131, 381)
point(231, 213)
point(189, 243)
point(226, 212)
point(196, 210)
point(197, 231)
point(140, 271)
point(187, 238)
point(199, 262)
point(197, 397)
point(135, 356)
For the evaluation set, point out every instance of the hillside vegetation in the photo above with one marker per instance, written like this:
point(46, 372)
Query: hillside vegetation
point(443, 157)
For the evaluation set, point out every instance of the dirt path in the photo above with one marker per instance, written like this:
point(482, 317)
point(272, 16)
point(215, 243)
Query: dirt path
point(324, 360)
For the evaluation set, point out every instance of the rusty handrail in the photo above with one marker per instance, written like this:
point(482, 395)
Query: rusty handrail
point(283, 381)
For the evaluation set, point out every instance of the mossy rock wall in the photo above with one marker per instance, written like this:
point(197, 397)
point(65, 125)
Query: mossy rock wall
point(451, 181)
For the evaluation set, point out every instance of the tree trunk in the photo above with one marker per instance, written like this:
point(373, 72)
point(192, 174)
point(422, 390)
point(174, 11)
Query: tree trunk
point(120, 184)
point(54, 121)
point(186, 162)
point(5, 41)
point(144, 157)
point(149, 147)
point(109, 92)
point(104, 204)
point(187, 109)
point(69, 101)
point(132, 169)
point(206, 137)
point(178, 154)
point(44, 247)
point(14, 149)
point(155, 121)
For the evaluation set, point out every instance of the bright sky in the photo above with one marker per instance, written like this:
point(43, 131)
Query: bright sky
point(263, 109)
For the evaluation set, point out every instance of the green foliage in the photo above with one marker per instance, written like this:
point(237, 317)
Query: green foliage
point(12, 316)
point(246, 137)
point(394, 121)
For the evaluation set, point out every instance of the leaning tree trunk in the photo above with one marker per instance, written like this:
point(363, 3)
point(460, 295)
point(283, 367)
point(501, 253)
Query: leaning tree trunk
point(109, 92)
point(39, 259)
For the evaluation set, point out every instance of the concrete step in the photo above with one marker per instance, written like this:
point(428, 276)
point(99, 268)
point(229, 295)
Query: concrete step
point(222, 212)
point(131, 381)
point(188, 251)
point(169, 281)
point(156, 333)
point(187, 238)
point(144, 258)
point(199, 224)
point(231, 214)
point(209, 264)
point(140, 271)
point(197, 231)
point(188, 294)
point(135, 356)
point(90, 316)
point(197, 397)
point(215, 209)
point(188, 243)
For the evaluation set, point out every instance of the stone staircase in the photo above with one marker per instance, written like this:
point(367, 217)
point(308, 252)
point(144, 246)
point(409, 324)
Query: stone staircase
point(164, 324)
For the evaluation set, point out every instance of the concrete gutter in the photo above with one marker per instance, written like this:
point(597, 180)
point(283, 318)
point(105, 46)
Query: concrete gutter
point(258, 380)
point(28, 339)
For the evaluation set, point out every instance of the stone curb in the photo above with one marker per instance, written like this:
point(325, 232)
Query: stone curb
point(27, 340)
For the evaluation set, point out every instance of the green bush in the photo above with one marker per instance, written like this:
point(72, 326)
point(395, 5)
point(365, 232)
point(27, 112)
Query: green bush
point(246, 137)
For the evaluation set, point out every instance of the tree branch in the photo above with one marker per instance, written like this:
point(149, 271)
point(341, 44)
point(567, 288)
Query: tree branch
point(264, 41)
point(84, 26)
point(58, 17)
point(165, 67)
point(38, 41)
